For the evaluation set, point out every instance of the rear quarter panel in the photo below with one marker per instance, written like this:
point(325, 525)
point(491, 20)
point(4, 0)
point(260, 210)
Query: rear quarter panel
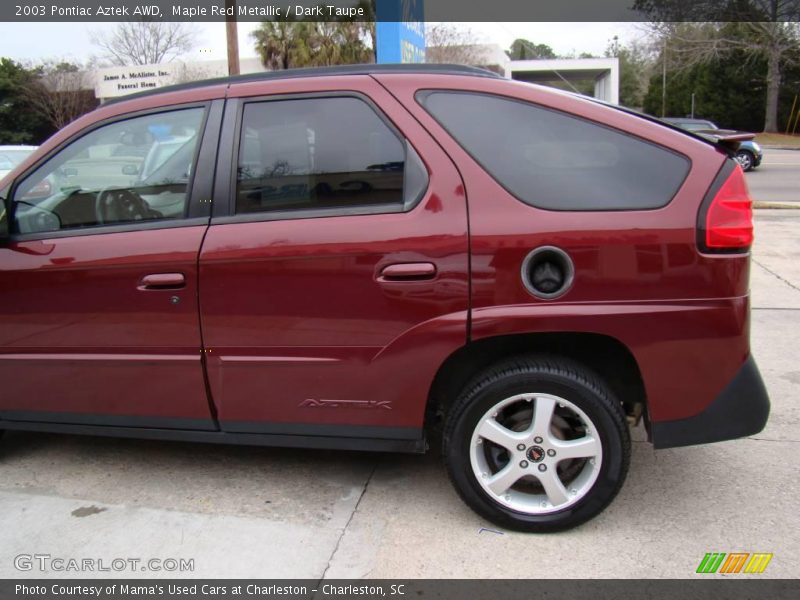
point(639, 276)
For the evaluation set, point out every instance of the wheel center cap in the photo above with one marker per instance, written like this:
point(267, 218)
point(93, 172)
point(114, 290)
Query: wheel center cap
point(535, 454)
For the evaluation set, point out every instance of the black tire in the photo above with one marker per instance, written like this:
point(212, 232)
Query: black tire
point(558, 377)
point(746, 159)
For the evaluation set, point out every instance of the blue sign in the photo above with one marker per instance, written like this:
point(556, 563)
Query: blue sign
point(400, 31)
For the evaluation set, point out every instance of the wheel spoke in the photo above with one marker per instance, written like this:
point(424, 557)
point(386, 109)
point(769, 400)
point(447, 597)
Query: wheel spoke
point(542, 416)
point(504, 478)
point(585, 447)
point(555, 490)
point(502, 436)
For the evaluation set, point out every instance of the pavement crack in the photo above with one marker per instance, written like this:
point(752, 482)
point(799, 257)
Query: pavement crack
point(771, 272)
point(349, 520)
point(772, 440)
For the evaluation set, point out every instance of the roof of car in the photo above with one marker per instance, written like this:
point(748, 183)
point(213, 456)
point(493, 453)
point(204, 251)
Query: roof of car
point(436, 69)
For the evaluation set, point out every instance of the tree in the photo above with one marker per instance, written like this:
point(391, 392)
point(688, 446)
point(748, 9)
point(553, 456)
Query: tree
point(281, 44)
point(447, 43)
point(188, 72)
point(635, 65)
point(286, 43)
point(337, 43)
point(145, 42)
point(526, 50)
point(368, 29)
point(19, 122)
point(729, 91)
point(760, 29)
point(60, 92)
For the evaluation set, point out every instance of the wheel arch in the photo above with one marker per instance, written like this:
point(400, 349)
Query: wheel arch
point(609, 358)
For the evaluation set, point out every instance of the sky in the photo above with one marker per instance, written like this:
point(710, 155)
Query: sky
point(32, 42)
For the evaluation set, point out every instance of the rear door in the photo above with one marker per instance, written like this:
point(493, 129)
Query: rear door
point(334, 276)
point(98, 281)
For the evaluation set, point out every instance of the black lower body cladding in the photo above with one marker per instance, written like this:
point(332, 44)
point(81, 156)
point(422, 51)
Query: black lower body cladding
point(741, 409)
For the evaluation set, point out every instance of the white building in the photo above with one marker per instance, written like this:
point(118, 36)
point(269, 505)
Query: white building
point(112, 82)
point(603, 71)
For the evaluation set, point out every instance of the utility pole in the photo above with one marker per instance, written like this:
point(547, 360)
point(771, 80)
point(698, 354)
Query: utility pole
point(664, 80)
point(692, 105)
point(232, 32)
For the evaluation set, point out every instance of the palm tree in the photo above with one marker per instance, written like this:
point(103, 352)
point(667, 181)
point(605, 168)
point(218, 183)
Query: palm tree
point(323, 43)
point(282, 44)
point(337, 43)
point(352, 49)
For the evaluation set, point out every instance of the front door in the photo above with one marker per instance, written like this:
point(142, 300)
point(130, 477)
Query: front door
point(98, 282)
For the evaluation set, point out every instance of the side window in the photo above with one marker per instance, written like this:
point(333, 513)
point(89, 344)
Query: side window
point(555, 161)
point(317, 153)
point(124, 172)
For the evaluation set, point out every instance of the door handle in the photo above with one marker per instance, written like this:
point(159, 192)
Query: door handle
point(162, 281)
point(408, 272)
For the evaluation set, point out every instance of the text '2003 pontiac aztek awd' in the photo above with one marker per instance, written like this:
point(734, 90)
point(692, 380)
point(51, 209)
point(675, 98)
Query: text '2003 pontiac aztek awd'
point(350, 258)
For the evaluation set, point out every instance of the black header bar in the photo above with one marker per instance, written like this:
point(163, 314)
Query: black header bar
point(434, 10)
point(704, 587)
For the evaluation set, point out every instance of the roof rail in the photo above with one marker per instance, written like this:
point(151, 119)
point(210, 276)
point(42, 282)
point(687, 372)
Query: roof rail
point(436, 69)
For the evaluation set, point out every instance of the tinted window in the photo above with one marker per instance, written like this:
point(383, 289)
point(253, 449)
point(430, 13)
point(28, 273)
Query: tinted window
point(315, 154)
point(124, 172)
point(554, 161)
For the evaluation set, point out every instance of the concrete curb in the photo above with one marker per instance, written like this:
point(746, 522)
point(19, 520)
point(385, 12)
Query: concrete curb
point(783, 205)
point(778, 147)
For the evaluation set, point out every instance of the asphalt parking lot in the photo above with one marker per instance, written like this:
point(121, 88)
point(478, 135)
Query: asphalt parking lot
point(778, 177)
point(260, 512)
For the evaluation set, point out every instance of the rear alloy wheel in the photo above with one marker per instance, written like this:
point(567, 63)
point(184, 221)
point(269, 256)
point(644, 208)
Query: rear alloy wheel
point(537, 445)
point(745, 159)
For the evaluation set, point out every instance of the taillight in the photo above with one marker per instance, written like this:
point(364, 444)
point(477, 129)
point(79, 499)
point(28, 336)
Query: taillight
point(726, 219)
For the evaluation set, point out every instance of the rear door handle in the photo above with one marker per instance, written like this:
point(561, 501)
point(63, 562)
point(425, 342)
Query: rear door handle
point(408, 272)
point(162, 281)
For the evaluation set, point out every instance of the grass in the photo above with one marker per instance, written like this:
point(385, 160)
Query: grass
point(778, 139)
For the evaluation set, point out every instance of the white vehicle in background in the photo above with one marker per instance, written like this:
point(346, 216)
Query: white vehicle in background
point(11, 156)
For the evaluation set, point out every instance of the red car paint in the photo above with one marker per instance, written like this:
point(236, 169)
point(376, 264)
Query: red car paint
point(81, 336)
point(290, 326)
point(639, 277)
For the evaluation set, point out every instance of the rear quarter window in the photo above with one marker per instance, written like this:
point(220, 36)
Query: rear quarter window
point(555, 161)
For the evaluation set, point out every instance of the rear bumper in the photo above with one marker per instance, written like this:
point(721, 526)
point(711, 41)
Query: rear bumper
point(741, 409)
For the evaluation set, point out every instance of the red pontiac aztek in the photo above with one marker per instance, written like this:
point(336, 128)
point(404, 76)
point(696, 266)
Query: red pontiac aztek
point(357, 257)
